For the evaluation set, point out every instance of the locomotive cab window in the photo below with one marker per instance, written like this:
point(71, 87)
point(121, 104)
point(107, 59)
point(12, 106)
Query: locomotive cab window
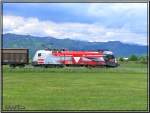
point(39, 54)
point(107, 57)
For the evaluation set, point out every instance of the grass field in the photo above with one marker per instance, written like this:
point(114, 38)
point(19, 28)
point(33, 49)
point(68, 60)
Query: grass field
point(121, 88)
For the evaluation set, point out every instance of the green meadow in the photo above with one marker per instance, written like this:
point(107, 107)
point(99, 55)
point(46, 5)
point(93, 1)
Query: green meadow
point(76, 88)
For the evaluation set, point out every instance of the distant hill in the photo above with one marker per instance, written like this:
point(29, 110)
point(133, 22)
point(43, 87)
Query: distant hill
point(34, 43)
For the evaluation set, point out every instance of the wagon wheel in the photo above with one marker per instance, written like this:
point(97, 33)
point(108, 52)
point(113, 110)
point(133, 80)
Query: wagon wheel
point(21, 66)
point(12, 66)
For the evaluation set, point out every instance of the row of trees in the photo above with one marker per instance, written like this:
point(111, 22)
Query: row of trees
point(140, 59)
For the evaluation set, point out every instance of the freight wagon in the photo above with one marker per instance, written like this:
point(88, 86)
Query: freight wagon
point(62, 58)
point(15, 57)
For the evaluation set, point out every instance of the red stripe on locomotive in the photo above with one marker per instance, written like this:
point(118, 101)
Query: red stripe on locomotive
point(77, 57)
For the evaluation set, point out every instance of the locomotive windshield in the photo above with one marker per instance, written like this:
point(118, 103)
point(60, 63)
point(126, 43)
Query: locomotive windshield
point(110, 60)
point(108, 57)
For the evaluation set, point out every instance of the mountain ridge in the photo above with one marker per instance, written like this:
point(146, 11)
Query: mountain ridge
point(34, 43)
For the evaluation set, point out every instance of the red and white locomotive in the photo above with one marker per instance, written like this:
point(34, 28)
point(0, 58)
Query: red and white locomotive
point(74, 58)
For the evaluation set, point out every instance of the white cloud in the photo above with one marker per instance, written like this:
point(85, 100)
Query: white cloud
point(76, 31)
point(131, 16)
point(117, 9)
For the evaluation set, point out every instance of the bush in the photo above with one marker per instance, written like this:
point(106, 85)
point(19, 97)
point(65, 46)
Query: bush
point(121, 59)
point(143, 59)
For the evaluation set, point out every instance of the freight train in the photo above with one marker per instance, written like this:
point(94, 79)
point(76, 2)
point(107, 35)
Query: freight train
point(62, 57)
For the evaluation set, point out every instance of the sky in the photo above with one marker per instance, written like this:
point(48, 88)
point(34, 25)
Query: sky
point(93, 22)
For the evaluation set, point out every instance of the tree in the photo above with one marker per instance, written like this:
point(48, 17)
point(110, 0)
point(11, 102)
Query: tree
point(133, 58)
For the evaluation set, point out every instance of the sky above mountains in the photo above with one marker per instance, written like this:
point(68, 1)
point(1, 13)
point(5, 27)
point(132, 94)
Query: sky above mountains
point(94, 22)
